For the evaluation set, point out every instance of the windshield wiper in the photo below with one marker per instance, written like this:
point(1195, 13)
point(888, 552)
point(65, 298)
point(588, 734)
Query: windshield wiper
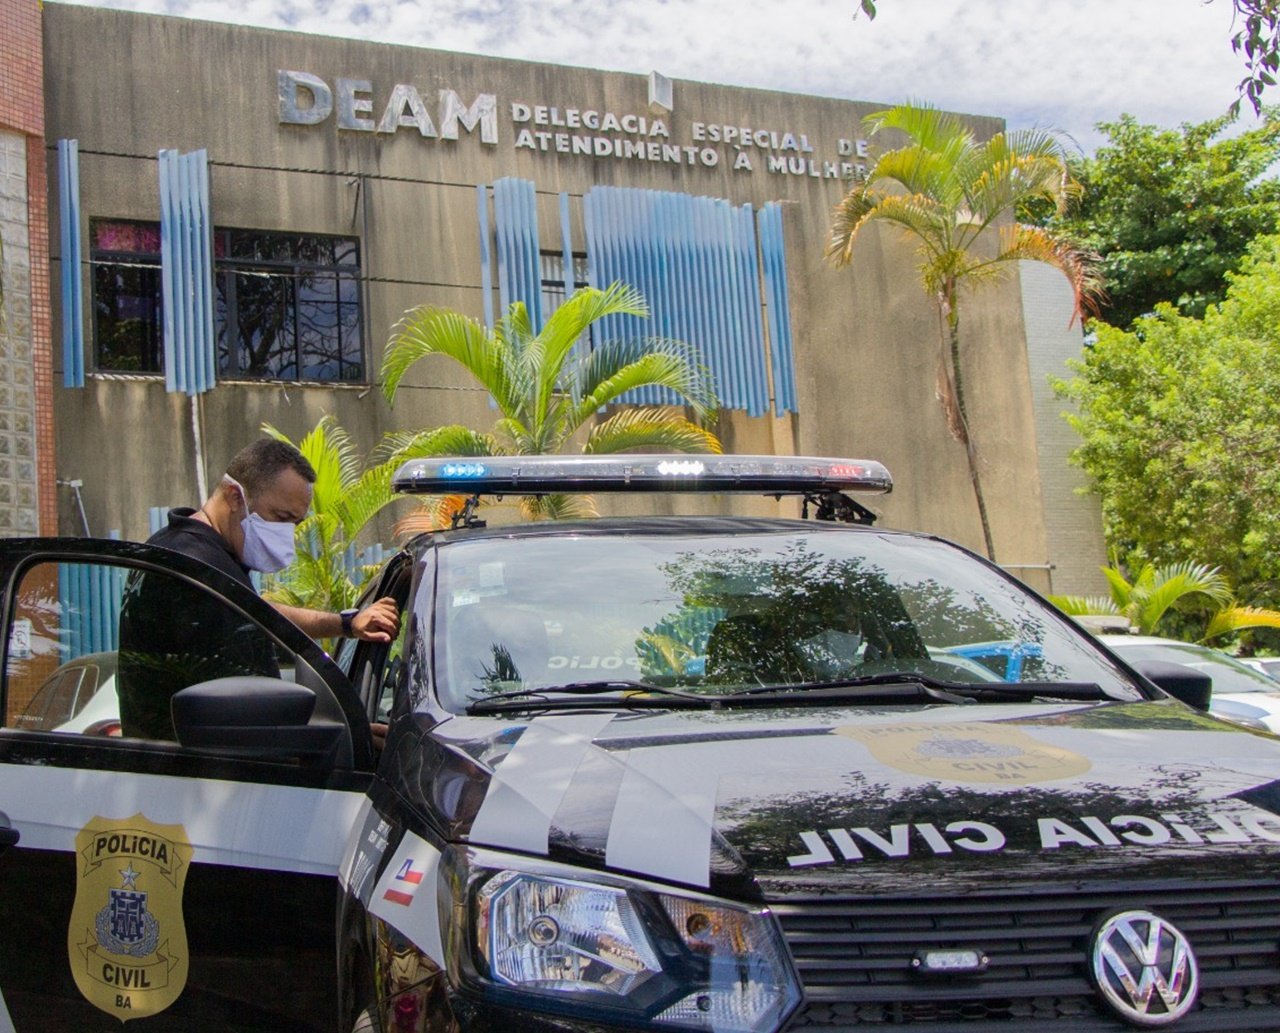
point(519, 699)
point(887, 687)
point(948, 691)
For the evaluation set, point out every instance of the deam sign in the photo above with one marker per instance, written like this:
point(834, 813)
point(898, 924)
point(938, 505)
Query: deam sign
point(307, 100)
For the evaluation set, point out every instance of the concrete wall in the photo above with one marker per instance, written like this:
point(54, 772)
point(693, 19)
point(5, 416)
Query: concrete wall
point(866, 338)
point(1073, 517)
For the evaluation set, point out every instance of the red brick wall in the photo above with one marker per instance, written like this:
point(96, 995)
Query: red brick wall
point(21, 67)
point(22, 111)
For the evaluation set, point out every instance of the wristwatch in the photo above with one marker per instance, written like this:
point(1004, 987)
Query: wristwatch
point(347, 617)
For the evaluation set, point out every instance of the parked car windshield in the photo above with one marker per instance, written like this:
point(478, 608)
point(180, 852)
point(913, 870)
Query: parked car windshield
point(725, 613)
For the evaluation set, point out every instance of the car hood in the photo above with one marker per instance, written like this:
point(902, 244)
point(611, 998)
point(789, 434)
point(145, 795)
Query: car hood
point(762, 804)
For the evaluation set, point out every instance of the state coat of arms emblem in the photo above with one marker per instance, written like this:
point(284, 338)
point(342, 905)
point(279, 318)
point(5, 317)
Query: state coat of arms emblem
point(127, 942)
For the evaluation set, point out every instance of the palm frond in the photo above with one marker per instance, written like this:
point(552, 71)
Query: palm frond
point(1174, 584)
point(1237, 618)
point(1079, 265)
point(566, 326)
point(1121, 589)
point(368, 496)
point(650, 429)
point(916, 214)
point(919, 171)
point(428, 331)
point(616, 367)
point(558, 507)
point(453, 440)
point(925, 125)
point(1083, 606)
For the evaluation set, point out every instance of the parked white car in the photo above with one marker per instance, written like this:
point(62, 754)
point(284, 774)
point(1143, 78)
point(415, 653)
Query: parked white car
point(1240, 693)
point(80, 696)
point(1268, 665)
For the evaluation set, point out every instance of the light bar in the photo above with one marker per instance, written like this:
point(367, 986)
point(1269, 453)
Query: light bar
point(713, 474)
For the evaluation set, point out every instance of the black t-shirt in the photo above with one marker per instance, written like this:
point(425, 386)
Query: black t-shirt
point(174, 634)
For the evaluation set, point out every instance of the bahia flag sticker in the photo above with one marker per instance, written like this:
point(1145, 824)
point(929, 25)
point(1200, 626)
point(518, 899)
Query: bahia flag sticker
point(407, 881)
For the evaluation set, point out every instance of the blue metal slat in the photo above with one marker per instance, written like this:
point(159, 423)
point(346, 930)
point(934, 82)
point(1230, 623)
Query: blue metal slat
point(503, 226)
point(69, 249)
point(188, 274)
point(65, 632)
point(717, 298)
point(486, 268)
point(641, 236)
point(694, 292)
point(774, 256)
point(174, 373)
point(527, 279)
point(613, 251)
point(753, 316)
point(204, 283)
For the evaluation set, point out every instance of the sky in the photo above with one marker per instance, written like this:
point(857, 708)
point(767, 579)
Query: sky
point(1063, 65)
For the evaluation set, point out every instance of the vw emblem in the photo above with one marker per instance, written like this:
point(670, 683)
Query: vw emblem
point(1144, 968)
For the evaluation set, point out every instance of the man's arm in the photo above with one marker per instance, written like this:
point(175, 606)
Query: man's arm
point(377, 622)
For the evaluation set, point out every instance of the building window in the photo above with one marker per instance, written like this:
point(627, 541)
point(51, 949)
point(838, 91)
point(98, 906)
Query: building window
point(552, 270)
point(128, 324)
point(287, 305)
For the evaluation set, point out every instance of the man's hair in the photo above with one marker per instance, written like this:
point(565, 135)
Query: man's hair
point(256, 466)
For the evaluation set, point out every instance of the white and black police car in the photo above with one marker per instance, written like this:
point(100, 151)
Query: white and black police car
point(683, 773)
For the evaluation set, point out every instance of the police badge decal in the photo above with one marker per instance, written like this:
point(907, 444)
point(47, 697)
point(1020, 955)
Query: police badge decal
point(127, 942)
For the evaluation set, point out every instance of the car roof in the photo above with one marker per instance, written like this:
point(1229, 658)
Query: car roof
point(660, 525)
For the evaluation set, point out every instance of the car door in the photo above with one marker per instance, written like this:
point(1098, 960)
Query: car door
point(173, 886)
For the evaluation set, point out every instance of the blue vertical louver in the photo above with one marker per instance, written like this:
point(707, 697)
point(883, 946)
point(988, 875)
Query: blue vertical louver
point(486, 263)
point(72, 281)
point(186, 260)
point(773, 260)
point(695, 260)
point(515, 208)
point(710, 272)
point(90, 596)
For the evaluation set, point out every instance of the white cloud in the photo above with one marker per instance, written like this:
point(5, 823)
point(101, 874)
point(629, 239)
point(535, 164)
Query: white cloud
point(1062, 64)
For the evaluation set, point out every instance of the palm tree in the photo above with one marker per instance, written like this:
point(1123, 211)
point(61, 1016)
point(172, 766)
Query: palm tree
point(326, 575)
point(1155, 590)
point(946, 190)
point(548, 386)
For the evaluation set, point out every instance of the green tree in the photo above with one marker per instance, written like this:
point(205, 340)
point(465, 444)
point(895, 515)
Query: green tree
point(549, 387)
point(345, 499)
point(1157, 591)
point(956, 198)
point(1180, 428)
point(1172, 211)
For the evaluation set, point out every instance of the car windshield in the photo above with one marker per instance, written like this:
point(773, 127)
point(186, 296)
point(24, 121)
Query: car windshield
point(1228, 675)
point(724, 614)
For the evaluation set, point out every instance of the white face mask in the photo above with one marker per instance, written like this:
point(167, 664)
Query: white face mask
point(268, 544)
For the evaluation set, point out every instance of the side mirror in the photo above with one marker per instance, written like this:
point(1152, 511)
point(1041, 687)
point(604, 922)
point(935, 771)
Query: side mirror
point(1193, 687)
point(254, 717)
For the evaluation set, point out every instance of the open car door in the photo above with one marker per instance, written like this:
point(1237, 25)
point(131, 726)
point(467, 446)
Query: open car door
point(181, 879)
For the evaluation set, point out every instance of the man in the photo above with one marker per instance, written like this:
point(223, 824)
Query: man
point(173, 635)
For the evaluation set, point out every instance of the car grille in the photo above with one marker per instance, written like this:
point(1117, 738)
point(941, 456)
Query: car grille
point(854, 957)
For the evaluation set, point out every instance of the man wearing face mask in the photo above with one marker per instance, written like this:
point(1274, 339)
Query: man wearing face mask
point(172, 636)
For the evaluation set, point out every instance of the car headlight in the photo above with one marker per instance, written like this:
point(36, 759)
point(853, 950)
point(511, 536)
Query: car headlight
point(628, 951)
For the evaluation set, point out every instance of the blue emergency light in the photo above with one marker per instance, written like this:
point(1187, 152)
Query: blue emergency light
point(710, 474)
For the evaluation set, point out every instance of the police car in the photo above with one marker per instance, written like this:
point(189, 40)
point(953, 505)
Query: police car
point(667, 773)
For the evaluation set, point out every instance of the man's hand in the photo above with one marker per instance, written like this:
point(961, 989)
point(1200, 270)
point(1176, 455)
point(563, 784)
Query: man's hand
point(377, 622)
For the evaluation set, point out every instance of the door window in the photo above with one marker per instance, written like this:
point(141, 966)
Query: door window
point(103, 641)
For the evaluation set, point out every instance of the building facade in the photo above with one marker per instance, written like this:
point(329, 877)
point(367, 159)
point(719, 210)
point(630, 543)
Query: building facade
point(241, 216)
